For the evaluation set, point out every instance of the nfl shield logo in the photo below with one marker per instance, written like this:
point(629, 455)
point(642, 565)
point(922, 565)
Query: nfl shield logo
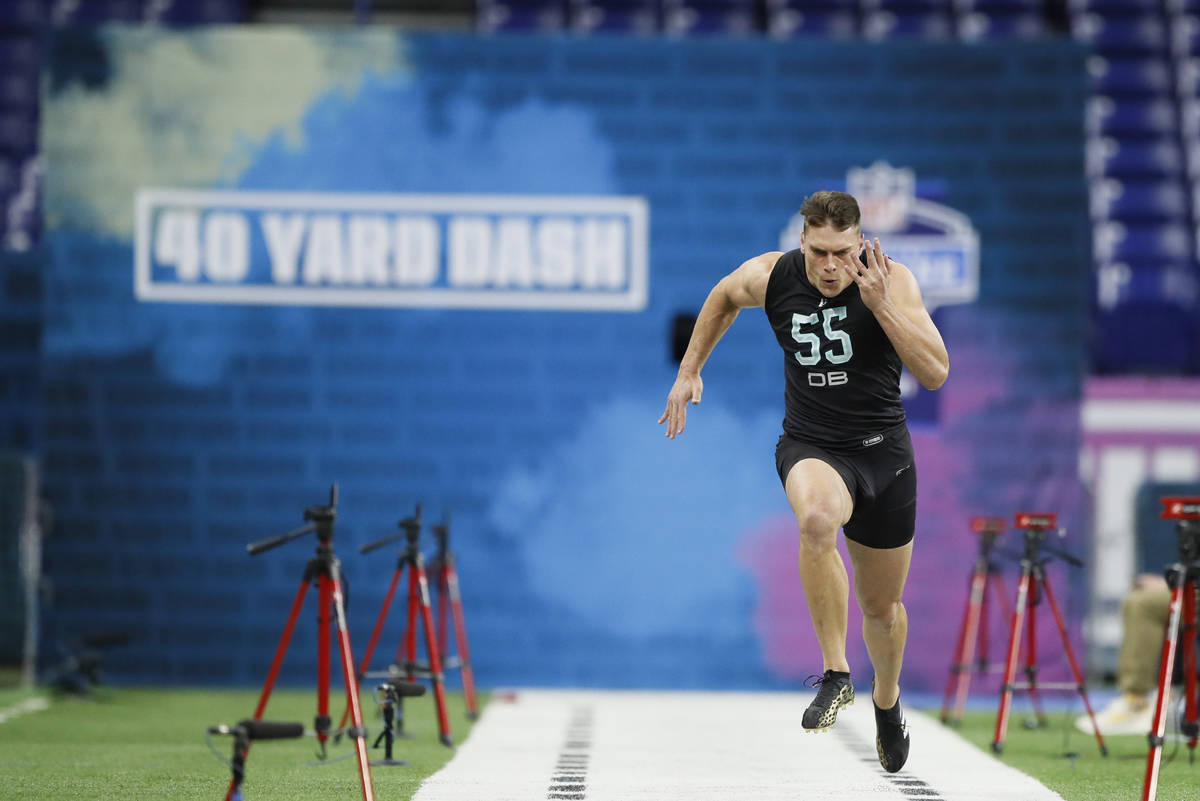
point(885, 195)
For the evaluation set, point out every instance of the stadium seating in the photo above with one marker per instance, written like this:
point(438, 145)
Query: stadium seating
point(1137, 76)
point(1121, 34)
point(831, 18)
point(521, 15)
point(614, 16)
point(1162, 200)
point(729, 17)
point(913, 24)
point(980, 25)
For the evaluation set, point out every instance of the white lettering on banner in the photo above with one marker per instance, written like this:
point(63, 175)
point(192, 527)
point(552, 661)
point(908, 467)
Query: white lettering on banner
point(514, 256)
point(285, 237)
point(226, 247)
point(416, 257)
point(369, 246)
point(177, 243)
point(603, 254)
point(556, 253)
point(470, 246)
point(323, 261)
point(460, 251)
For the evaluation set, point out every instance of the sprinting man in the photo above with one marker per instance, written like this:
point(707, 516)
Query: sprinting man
point(846, 317)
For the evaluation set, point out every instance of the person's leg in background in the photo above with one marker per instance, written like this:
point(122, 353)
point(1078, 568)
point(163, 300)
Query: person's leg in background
point(1144, 615)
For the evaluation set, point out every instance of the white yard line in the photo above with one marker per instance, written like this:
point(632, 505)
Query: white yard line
point(644, 746)
point(25, 707)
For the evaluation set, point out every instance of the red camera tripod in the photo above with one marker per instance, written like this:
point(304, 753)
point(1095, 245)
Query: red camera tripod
point(325, 570)
point(973, 632)
point(1033, 584)
point(418, 601)
point(1183, 578)
point(445, 583)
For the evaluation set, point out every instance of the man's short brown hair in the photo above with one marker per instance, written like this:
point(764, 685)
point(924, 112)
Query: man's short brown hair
point(830, 208)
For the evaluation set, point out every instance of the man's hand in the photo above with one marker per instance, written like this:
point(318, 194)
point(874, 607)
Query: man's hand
point(688, 388)
point(874, 278)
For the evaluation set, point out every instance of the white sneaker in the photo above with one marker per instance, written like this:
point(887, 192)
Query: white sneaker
point(1119, 718)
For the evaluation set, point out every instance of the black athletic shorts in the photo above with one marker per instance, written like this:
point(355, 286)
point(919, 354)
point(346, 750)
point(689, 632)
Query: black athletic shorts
point(882, 479)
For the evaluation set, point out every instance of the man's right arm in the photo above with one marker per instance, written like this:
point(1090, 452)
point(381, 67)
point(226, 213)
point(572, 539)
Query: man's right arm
point(745, 287)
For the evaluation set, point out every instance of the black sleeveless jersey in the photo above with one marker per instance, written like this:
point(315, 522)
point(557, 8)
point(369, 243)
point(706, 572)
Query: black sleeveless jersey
point(843, 375)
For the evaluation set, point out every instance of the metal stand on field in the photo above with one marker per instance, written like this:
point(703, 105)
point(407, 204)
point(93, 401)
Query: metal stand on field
point(441, 567)
point(388, 696)
point(971, 650)
point(418, 601)
point(243, 734)
point(325, 570)
point(1033, 585)
point(1183, 577)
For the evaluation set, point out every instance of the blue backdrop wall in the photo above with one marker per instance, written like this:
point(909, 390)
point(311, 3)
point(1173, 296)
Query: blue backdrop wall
point(190, 407)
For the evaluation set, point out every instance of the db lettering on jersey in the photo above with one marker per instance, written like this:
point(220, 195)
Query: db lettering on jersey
point(834, 378)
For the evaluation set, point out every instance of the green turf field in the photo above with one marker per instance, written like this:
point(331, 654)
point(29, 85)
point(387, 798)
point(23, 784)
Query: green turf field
point(134, 744)
point(149, 744)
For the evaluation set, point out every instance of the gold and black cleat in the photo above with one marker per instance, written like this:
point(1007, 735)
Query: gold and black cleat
point(834, 691)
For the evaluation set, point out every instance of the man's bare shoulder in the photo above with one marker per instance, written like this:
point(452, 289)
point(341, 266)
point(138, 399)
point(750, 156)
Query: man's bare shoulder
point(905, 281)
point(765, 261)
point(760, 267)
point(748, 283)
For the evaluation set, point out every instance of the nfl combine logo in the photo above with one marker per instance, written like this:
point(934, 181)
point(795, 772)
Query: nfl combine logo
point(885, 196)
point(937, 243)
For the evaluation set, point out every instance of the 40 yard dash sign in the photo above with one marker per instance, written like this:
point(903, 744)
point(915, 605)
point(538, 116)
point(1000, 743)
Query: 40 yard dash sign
point(341, 249)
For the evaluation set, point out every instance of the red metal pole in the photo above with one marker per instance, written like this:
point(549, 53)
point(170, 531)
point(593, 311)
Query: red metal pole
point(435, 662)
point(460, 634)
point(981, 653)
point(360, 746)
point(325, 593)
point(276, 663)
point(443, 592)
point(1031, 658)
point(1010, 665)
point(410, 631)
point(383, 613)
point(1075, 669)
point(1165, 667)
point(964, 648)
point(1187, 635)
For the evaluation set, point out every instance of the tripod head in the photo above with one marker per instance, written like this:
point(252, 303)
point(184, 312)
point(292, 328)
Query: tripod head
point(321, 521)
point(322, 517)
point(1186, 513)
point(1037, 527)
point(410, 528)
point(988, 528)
point(441, 535)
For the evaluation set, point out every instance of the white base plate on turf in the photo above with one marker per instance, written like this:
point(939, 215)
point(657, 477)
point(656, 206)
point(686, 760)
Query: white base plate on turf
point(591, 745)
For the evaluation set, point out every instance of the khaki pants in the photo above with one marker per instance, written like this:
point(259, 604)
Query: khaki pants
point(1145, 614)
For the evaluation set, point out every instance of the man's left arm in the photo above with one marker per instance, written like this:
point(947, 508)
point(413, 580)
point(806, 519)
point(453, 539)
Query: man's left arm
point(890, 291)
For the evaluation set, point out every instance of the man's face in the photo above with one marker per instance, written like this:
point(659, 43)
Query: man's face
point(826, 249)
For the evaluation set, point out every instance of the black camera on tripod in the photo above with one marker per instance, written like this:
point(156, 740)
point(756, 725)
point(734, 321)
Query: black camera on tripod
point(1188, 533)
